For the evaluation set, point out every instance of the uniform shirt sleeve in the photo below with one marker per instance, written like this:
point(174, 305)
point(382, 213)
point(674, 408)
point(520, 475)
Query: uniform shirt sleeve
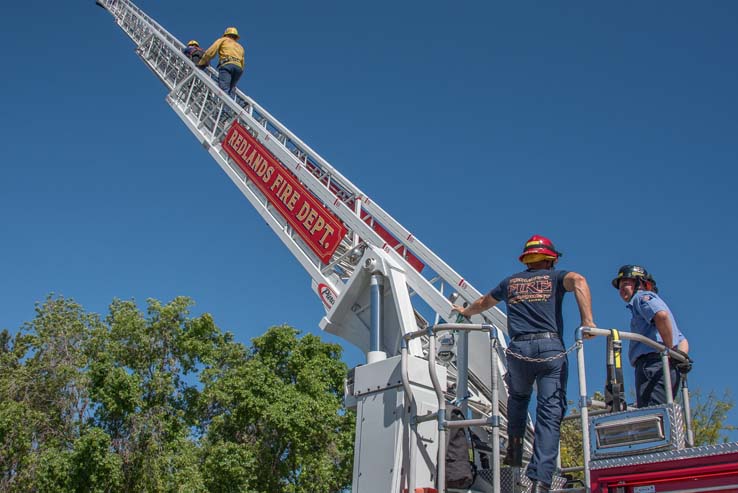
point(211, 52)
point(648, 306)
point(499, 292)
point(560, 275)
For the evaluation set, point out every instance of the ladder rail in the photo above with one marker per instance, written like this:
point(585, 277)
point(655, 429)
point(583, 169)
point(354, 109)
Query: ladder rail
point(209, 113)
point(403, 235)
point(145, 32)
point(323, 180)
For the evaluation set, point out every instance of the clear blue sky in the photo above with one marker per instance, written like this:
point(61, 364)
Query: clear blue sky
point(610, 128)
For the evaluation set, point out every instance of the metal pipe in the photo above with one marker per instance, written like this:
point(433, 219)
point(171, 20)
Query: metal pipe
point(595, 331)
point(667, 376)
point(460, 423)
point(687, 412)
point(377, 312)
point(495, 391)
point(411, 412)
point(462, 372)
point(583, 406)
point(440, 327)
point(441, 460)
point(462, 364)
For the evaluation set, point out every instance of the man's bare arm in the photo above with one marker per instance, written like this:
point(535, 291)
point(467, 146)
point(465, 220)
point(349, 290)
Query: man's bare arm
point(478, 306)
point(663, 325)
point(578, 284)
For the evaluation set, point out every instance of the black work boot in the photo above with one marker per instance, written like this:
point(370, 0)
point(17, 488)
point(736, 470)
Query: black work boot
point(514, 455)
point(539, 487)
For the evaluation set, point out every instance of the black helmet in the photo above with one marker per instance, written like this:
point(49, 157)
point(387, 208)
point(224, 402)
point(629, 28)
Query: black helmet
point(632, 272)
point(651, 283)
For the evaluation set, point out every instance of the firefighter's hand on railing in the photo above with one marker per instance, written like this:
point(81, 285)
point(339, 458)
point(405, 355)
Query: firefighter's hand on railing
point(682, 367)
point(459, 311)
point(585, 333)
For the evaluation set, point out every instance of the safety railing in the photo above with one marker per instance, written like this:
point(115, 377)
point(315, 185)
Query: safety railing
point(493, 420)
point(666, 353)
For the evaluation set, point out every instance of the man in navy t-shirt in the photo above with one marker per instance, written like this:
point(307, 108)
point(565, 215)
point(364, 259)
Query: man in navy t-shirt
point(535, 326)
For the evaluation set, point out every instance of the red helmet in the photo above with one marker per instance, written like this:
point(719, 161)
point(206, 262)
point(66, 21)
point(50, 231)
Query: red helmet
point(539, 244)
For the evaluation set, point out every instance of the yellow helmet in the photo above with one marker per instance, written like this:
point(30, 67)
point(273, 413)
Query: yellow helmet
point(192, 42)
point(232, 31)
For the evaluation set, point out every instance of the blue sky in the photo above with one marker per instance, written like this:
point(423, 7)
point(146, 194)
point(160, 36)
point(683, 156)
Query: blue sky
point(609, 128)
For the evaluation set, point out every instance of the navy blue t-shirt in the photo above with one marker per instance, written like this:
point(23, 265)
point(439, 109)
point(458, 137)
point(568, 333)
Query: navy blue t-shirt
point(533, 299)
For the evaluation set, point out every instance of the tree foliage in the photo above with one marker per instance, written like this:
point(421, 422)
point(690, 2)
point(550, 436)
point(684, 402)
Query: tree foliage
point(709, 414)
point(160, 401)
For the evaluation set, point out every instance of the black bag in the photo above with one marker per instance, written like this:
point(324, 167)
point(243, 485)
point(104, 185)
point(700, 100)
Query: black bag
point(459, 469)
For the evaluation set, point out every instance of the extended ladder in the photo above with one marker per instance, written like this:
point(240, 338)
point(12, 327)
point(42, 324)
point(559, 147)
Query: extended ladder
point(208, 113)
point(333, 229)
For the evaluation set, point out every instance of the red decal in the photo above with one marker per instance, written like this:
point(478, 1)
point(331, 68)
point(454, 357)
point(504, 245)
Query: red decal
point(321, 230)
point(327, 296)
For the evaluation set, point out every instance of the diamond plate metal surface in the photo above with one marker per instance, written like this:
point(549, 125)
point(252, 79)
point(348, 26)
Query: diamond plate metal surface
point(704, 451)
point(675, 431)
point(514, 480)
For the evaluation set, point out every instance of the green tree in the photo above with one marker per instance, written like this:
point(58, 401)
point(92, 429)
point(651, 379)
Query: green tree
point(709, 415)
point(160, 401)
point(278, 415)
point(43, 390)
point(138, 378)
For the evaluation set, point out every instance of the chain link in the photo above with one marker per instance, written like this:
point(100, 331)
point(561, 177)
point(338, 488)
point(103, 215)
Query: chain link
point(574, 346)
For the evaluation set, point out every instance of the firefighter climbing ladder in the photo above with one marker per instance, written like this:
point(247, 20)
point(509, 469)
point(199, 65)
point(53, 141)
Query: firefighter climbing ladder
point(371, 241)
point(399, 394)
point(207, 112)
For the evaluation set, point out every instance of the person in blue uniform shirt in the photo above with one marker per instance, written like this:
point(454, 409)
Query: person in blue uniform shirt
point(194, 52)
point(652, 318)
point(535, 326)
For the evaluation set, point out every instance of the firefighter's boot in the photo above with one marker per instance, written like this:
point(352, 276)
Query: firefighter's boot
point(514, 455)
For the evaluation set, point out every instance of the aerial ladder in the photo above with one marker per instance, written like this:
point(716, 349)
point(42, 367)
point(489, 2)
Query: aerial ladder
point(382, 289)
point(377, 281)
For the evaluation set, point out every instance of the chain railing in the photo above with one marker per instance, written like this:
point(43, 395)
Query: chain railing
point(562, 354)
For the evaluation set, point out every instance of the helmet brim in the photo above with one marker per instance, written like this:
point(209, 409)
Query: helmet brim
point(543, 251)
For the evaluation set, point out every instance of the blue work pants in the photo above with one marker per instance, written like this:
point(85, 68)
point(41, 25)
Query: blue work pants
point(649, 380)
point(228, 76)
point(550, 378)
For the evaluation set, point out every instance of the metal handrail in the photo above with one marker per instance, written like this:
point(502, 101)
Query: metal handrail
point(665, 353)
point(443, 423)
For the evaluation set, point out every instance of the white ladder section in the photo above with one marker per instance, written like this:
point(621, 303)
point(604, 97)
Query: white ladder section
point(354, 234)
point(208, 113)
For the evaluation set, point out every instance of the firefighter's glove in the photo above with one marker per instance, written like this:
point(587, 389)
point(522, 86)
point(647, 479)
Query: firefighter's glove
point(682, 367)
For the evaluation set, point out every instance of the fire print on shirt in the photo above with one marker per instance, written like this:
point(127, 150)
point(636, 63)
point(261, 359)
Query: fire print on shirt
point(533, 290)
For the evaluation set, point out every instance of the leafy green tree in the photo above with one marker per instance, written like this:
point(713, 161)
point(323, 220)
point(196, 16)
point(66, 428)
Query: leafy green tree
point(160, 401)
point(43, 390)
point(138, 378)
point(709, 415)
point(280, 413)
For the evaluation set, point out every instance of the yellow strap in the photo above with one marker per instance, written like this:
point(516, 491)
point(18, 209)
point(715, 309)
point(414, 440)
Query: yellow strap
point(616, 337)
